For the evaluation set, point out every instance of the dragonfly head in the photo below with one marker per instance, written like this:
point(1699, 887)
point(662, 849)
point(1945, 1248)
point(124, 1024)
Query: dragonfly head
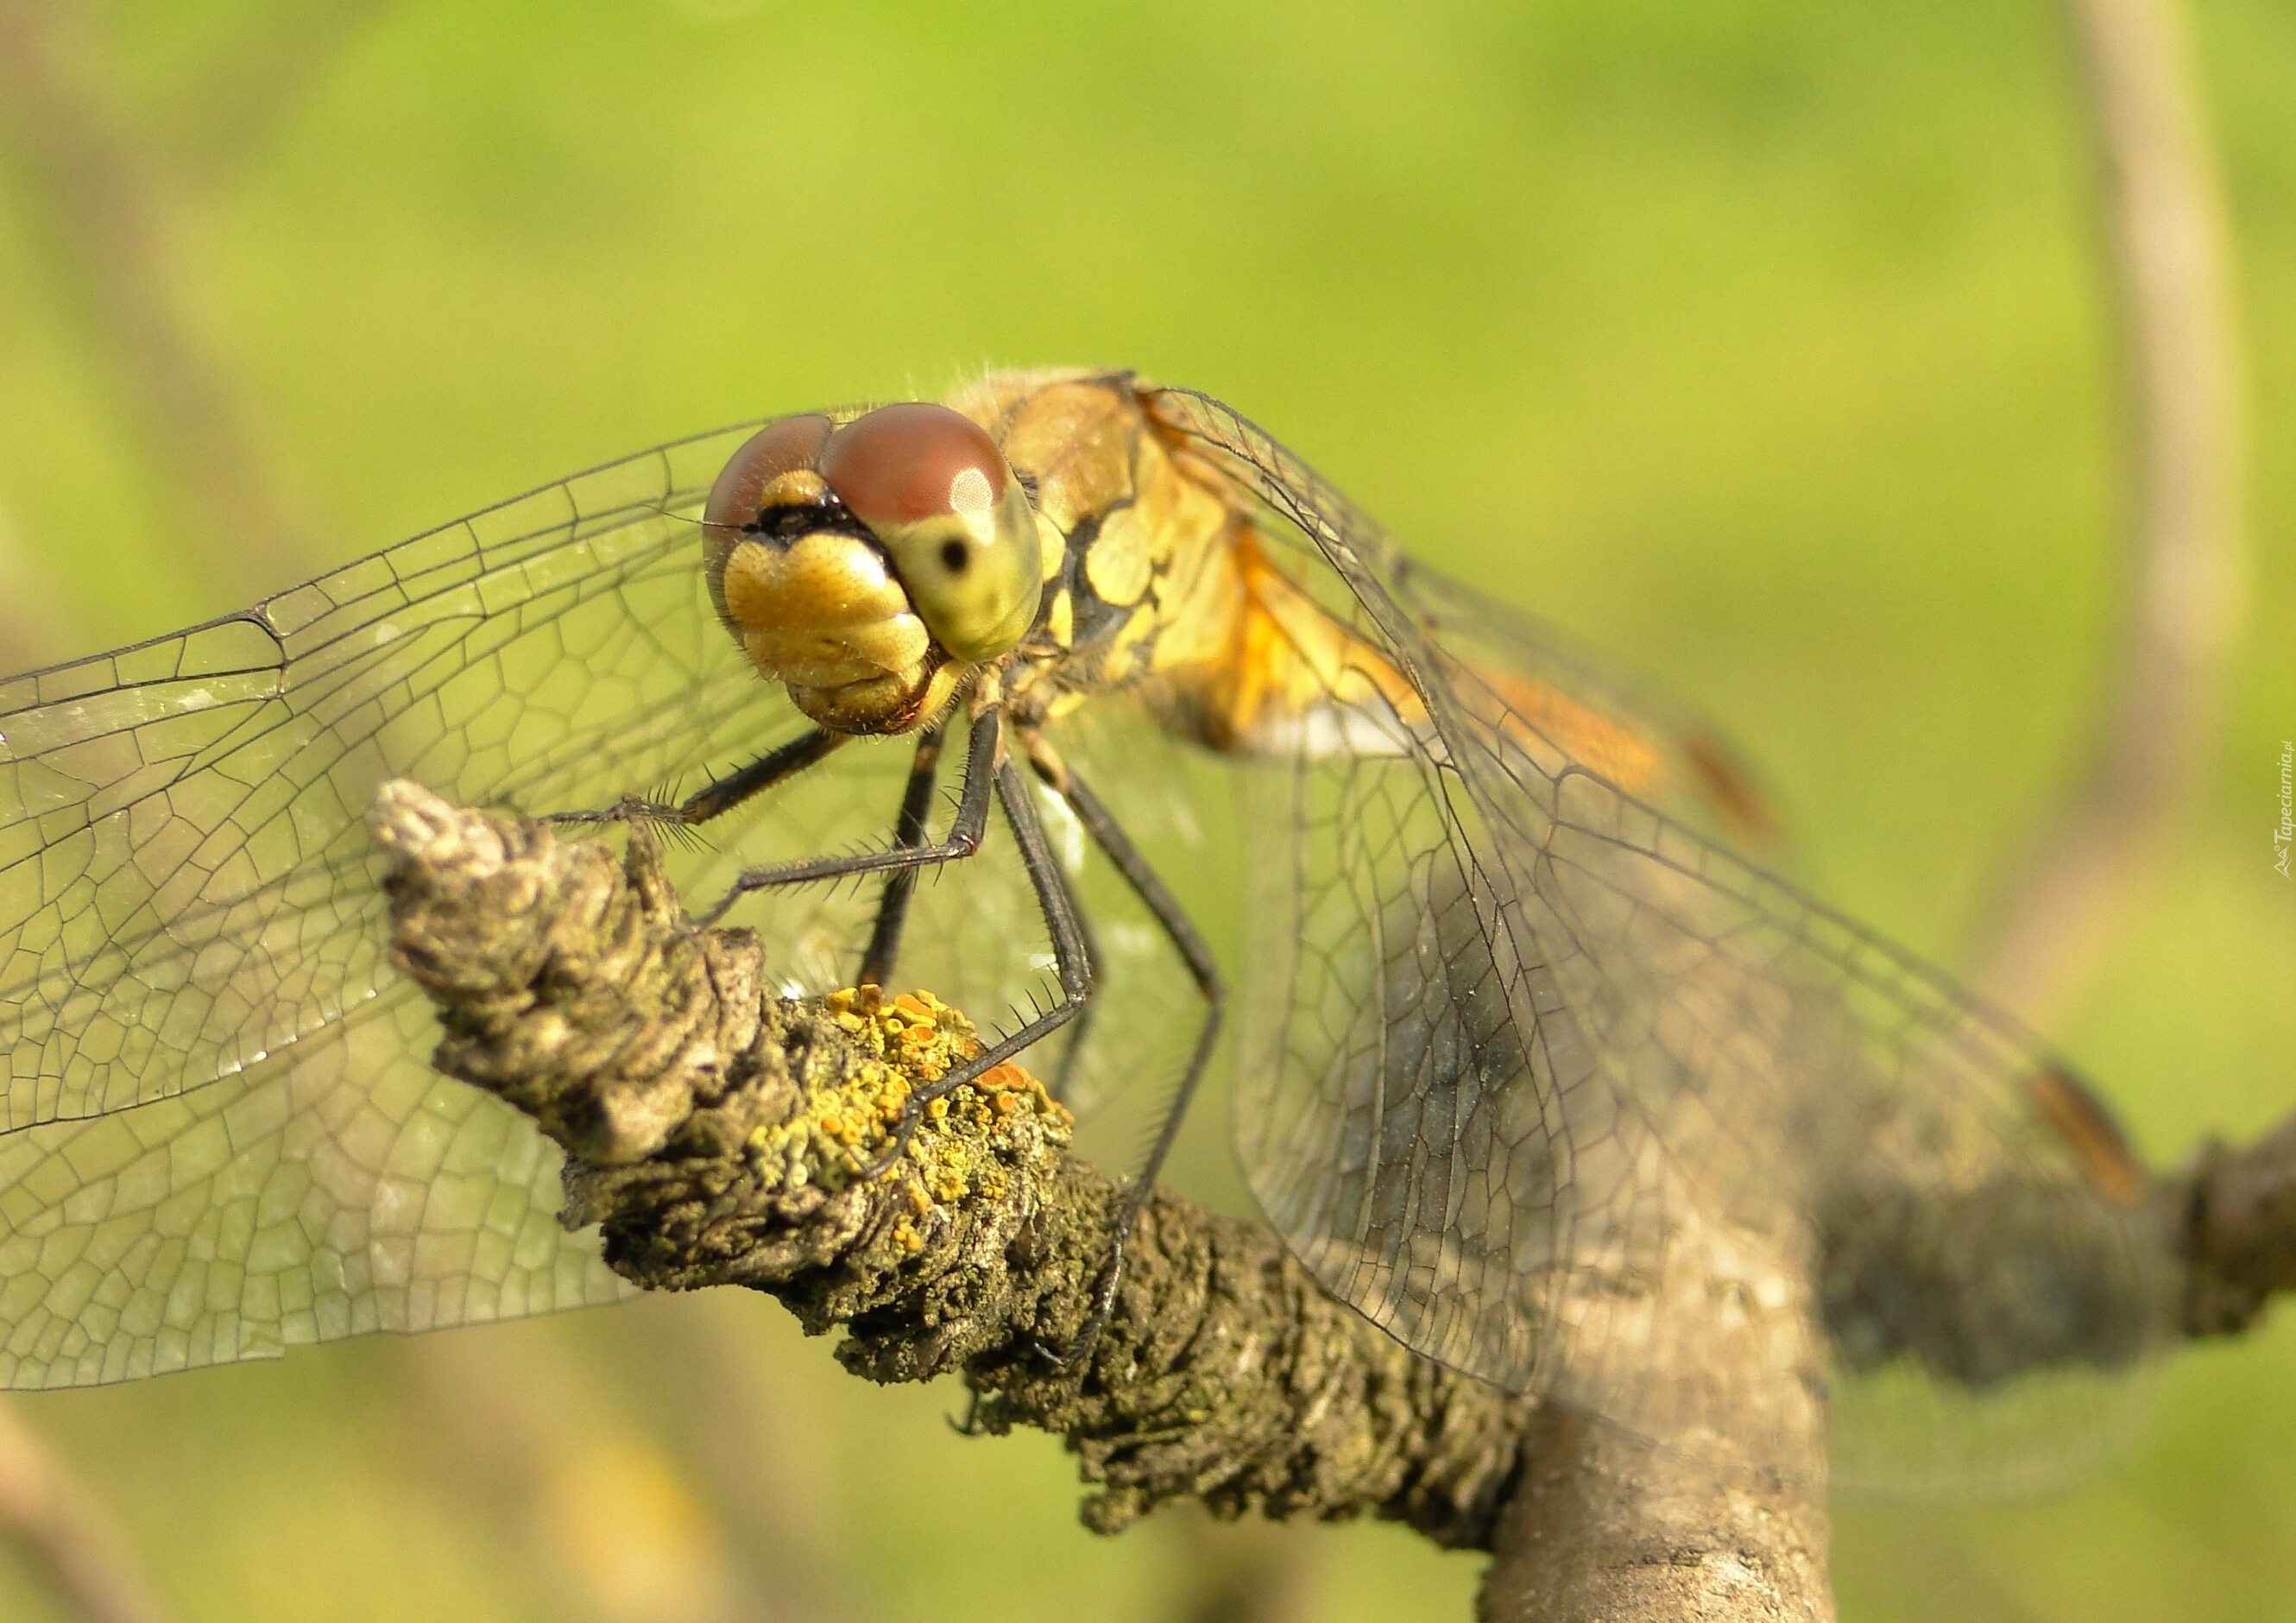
point(870, 567)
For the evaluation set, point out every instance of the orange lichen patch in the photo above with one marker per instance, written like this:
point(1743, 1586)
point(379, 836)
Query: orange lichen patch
point(1005, 1077)
point(968, 1141)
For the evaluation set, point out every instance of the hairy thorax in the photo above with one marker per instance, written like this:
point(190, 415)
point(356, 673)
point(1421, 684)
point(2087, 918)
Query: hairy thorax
point(1156, 579)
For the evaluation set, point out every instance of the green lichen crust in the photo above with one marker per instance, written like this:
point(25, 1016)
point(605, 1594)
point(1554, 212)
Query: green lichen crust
point(720, 1135)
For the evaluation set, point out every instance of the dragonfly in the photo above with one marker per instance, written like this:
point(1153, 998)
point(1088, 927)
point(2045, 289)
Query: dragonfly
point(1520, 1021)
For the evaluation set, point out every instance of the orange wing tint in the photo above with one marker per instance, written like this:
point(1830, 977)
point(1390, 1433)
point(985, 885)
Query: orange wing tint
point(1288, 662)
point(2089, 1130)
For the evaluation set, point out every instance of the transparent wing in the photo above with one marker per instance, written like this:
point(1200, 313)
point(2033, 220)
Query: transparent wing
point(1172, 800)
point(186, 884)
point(243, 1143)
point(220, 1132)
point(342, 1186)
point(1566, 1095)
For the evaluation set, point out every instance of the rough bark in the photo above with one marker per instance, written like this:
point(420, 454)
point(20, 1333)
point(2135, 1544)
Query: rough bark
point(718, 1133)
point(1602, 1527)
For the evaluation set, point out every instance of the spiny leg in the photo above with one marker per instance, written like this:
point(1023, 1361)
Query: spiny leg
point(1202, 967)
point(1069, 956)
point(884, 949)
point(964, 833)
point(1080, 1028)
point(715, 798)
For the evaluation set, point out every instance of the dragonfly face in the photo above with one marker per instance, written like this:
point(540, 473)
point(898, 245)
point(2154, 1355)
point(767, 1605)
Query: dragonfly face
point(866, 566)
point(1521, 1028)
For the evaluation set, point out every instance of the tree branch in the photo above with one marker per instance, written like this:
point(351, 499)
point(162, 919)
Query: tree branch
point(716, 1132)
point(1602, 1527)
point(2166, 248)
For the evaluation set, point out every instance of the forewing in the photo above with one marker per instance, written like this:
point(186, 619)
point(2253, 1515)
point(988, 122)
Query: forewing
point(244, 1145)
point(1569, 1097)
point(185, 883)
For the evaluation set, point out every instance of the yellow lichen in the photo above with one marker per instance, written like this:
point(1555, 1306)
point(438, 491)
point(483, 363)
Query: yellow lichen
point(967, 1139)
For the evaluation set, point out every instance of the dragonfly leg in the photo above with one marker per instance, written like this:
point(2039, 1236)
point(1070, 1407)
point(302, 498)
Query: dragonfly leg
point(1064, 1073)
point(885, 948)
point(1109, 836)
point(964, 834)
point(713, 798)
point(1068, 955)
point(877, 964)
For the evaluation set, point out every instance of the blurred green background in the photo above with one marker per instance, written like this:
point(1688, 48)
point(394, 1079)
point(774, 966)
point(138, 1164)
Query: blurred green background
point(1760, 342)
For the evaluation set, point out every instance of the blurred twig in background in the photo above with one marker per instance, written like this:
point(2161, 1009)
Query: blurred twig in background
point(35, 627)
point(1241, 1571)
point(107, 208)
point(723, 1412)
point(2165, 244)
point(45, 1514)
point(229, 116)
point(601, 1518)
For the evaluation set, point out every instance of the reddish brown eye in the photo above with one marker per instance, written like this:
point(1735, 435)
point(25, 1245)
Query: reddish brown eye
point(904, 463)
point(957, 526)
point(776, 449)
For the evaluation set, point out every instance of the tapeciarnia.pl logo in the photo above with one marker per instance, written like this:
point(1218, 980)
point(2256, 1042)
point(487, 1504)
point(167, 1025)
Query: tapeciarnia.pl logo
point(2286, 834)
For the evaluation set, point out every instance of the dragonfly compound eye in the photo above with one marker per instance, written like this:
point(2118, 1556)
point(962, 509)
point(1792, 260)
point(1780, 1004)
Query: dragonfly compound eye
point(935, 491)
point(810, 594)
point(774, 467)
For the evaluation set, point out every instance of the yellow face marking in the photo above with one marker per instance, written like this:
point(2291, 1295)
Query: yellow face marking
point(822, 582)
point(825, 618)
point(1060, 619)
point(798, 488)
